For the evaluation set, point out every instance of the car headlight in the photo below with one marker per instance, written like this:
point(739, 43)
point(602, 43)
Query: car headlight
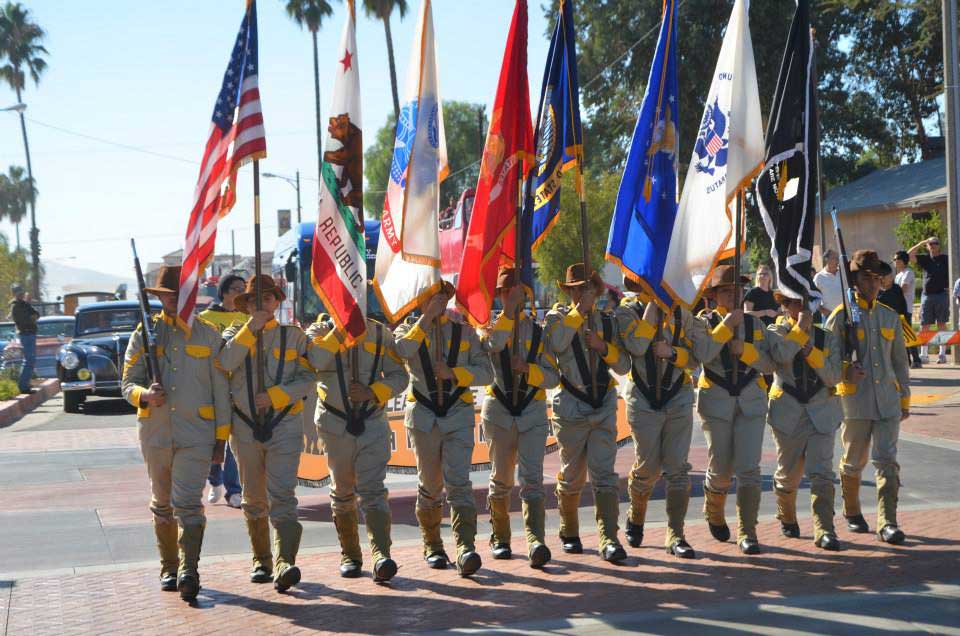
point(70, 360)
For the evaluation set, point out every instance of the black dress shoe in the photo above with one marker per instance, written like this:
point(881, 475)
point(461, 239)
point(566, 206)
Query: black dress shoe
point(502, 551)
point(189, 586)
point(384, 570)
point(790, 530)
point(828, 542)
point(539, 555)
point(438, 560)
point(287, 579)
point(858, 524)
point(168, 582)
point(634, 534)
point(891, 534)
point(613, 553)
point(469, 563)
point(261, 574)
point(351, 569)
point(680, 548)
point(720, 533)
point(749, 546)
point(571, 545)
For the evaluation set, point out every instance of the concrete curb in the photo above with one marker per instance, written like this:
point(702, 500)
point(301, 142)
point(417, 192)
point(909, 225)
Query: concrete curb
point(13, 410)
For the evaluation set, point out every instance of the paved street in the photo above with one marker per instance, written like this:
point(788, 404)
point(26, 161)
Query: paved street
point(78, 554)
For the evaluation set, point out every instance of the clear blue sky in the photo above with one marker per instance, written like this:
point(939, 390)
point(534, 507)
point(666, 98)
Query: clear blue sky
point(146, 74)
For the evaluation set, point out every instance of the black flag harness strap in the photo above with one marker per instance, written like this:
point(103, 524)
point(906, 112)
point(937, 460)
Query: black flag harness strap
point(725, 381)
point(801, 368)
point(595, 401)
point(525, 392)
point(449, 398)
point(668, 391)
point(263, 430)
point(356, 418)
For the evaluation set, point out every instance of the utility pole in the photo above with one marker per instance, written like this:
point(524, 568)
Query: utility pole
point(951, 78)
point(233, 249)
point(298, 200)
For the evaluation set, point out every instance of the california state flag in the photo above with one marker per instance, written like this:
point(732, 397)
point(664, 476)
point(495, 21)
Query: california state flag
point(408, 254)
point(339, 271)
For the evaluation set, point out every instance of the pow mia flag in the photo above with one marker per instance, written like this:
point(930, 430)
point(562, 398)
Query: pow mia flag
point(787, 187)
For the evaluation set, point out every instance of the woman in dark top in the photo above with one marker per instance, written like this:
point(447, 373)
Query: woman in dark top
point(759, 301)
point(891, 295)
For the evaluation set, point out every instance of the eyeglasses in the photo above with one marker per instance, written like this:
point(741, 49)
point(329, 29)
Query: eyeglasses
point(237, 288)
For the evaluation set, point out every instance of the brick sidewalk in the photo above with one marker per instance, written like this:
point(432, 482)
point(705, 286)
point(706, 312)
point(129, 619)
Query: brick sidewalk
point(420, 599)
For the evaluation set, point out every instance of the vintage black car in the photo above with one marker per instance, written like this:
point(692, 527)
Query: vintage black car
point(91, 363)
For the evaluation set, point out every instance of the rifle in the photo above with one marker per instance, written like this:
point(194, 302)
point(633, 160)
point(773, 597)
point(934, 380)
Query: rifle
point(149, 337)
point(851, 310)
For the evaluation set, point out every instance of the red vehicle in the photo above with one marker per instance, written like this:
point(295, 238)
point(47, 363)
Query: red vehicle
point(453, 233)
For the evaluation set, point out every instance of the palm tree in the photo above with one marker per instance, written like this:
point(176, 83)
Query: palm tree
point(15, 195)
point(310, 13)
point(22, 53)
point(381, 10)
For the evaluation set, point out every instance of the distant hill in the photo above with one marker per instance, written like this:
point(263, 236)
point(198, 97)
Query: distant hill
point(63, 279)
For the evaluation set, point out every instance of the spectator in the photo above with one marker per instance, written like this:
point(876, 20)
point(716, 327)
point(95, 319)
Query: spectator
point(891, 295)
point(907, 281)
point(25, 317)
point(759, 301)
point(830, 284)
point(934, 300)
point(221, 316)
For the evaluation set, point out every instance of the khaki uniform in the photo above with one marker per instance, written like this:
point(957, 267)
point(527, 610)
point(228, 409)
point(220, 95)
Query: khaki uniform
point(585, 423)
point(872, 408)
point(177, 439)
point(357, 450)
point(803, 414)
point(516, 426)
point(268, 458)
point(440, 420)
point(661, 431)
point(733, 418)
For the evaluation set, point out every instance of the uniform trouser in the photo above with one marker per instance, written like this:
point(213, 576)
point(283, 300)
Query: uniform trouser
point(358, 467)
point(856, 436)
point(661, 441)
point(510, 450)
point(807, 450)
point(268, 472)
point(177, 477)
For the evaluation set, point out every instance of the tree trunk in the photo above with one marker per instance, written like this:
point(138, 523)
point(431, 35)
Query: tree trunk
point(316, 95)
point(18, 235)
point(393, 68)
point(34, 232)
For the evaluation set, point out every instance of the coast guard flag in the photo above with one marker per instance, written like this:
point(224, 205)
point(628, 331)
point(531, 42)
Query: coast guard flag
point(408, 252)
point(647, 201)
point(338, 268)
point(787, 187)
point(559, 135)
point(727, 154)
point(507, 156)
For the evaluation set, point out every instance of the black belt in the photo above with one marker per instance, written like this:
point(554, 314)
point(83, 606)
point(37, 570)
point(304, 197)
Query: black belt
point(800, 396)
point(359, 416)
point(594, 403)
point(449, 400)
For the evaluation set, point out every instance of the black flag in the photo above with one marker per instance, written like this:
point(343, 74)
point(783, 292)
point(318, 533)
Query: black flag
point(787, 187)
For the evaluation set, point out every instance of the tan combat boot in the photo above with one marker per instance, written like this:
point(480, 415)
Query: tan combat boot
point(351, 556)
point(463, 520)
point(500, 526)
point(378, 533)
point(636, 516)
point(888, 490)
point(568, 505)
point(259, 532)
point(188, 578)
point(821, 503)
point(607, 507)
point(850, 490)
point(429, 520)
point(678, 499)
point(748, 509)
point(787, 513)
point(286, 545)
point(166, 533)
point(534, 522)
point(713, 511)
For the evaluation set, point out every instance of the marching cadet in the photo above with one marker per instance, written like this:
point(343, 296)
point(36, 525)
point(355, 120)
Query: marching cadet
point(514, 417)
point(732, 403)
point(875, 395)
point(585, 410)
point(268, 438)
point(355, 383)
point(444, 359)
point(183, 421)
point(667, 345)
point(804, 414)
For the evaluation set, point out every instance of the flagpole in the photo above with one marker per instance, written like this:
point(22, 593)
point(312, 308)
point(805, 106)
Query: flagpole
point(258, 286)
point(738, 233)
point(517, 265)
point(816, 111)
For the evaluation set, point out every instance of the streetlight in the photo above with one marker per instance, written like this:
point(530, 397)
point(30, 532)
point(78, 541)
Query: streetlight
point(34, 232)
point(293, 182)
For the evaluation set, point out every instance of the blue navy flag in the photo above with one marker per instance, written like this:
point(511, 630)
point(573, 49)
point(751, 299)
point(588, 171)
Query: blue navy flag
point(558, 135)
point(647, 201)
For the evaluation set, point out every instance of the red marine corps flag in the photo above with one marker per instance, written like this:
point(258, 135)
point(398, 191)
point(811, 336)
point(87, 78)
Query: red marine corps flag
point(236, 137)
point(507, 156)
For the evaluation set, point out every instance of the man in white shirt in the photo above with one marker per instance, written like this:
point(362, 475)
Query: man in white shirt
point(828, 282)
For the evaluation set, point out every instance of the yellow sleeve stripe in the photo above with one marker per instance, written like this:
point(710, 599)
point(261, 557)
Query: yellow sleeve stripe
point(613, 354)
point(816, 359)
point(464, 377)
point(246, 338)
point(721, 334)
point(143, 412)
point(905, 402)
point(683, 357)
point(382, 391)
point(798, 336)
point(278, 397)
point(416, 334)
point(750, 354)
point(503, 323)
point(573, 319)
point(223, 432)
point(328, 342)
point(534, 375)
point(135, 396)
point(644, 330)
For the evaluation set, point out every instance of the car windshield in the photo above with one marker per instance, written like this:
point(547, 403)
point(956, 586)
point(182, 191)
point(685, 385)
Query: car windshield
point(102, 320)
point(54, 328)
point(7, 332)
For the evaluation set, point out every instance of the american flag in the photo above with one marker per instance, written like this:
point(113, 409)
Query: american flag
point(236, 137)
point(714, 143)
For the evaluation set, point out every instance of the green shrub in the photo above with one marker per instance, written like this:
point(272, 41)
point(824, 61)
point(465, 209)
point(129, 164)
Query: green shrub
point(8, 389)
